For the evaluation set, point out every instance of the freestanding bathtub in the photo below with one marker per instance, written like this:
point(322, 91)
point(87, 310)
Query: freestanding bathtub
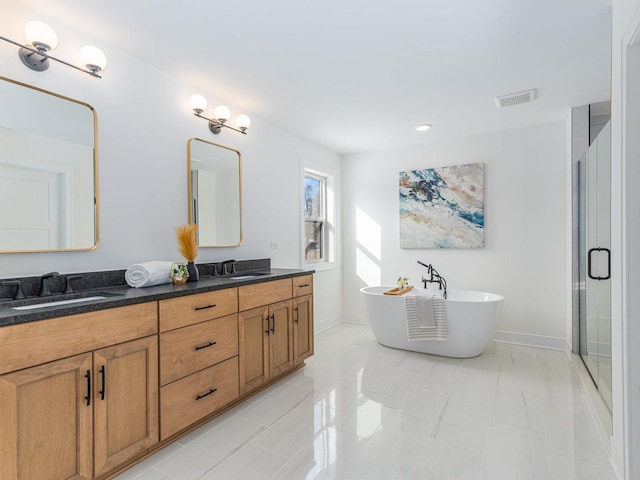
point(472, 319)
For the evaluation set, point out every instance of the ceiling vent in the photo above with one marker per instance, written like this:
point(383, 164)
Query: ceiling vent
point(516, 98)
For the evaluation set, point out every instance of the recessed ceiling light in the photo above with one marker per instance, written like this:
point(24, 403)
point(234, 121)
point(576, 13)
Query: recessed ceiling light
point(423, 128)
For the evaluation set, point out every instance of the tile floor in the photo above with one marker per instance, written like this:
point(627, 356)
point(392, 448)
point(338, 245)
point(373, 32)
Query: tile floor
point(362, 411)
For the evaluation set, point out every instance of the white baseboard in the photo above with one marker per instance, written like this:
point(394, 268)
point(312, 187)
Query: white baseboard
point(617, 469)
point(355, 318)
point(527, 339)
point(328, 323)
point(596, 407)
point(530, 340)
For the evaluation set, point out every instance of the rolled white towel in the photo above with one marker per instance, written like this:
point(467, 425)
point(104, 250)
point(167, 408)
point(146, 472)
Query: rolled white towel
point(148, 274)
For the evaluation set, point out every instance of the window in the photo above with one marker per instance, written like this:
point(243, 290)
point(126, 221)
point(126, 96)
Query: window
point(315, 220)
point(318, 232)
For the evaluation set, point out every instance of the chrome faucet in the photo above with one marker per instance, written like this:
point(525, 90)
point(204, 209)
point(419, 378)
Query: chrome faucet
point(434, 277)
point(45, 291)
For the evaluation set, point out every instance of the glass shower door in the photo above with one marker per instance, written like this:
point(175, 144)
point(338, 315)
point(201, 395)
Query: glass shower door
point(595, 261)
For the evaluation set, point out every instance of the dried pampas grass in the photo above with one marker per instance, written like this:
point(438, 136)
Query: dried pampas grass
point(187, 241)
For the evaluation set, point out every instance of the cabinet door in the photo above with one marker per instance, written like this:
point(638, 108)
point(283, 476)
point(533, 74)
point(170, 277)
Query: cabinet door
point(280, 338)
point(126, 402)
point(46, 427)
point(302, 328)
point(254, 348)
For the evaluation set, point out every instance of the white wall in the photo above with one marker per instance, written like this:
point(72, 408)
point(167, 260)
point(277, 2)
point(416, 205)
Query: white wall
point(526, 237)
point(144, 122)
point(624, 239)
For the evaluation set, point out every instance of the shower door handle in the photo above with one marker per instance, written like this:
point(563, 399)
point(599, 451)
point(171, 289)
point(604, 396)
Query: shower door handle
point(590, 263)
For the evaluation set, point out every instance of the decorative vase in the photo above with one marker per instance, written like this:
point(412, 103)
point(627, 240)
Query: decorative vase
point(179, 273)
point(194, 275)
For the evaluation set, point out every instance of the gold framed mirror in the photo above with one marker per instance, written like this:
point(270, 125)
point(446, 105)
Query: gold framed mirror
point(48, 171)
point(215, 193)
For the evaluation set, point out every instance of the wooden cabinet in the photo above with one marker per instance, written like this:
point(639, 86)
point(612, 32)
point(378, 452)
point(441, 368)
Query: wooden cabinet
point(265, 333)
point(302, 328)
point(198, 360)
point(260, 294)
point(195, 396)
point(280, 338)
point(266, 344)
point(46, 424)
point(84, 395)
point(189, 349)
point(79, 416)
point(302, 318)
point(28, 344)
point(125, 392)
point(302, 285)
point(190, 309)
point(253, 326)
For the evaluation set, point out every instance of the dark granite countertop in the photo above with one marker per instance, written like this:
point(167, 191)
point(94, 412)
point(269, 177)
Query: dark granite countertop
point(123, 295)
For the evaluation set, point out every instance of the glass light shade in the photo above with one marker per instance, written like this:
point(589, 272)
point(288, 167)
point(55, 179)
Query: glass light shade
point(243, 121)
point(39, 33)
point(222, 113)
point(198, 102)
point(93, 58)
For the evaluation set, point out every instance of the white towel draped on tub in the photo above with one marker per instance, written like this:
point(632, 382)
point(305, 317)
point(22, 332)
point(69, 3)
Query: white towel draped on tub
point(426, 317)
point(148, 274)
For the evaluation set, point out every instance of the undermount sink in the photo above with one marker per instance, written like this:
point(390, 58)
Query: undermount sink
point(249, 275)
point(57, 300)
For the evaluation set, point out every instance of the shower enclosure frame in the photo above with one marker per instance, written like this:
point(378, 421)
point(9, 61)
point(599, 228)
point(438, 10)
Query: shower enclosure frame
point(591, 211)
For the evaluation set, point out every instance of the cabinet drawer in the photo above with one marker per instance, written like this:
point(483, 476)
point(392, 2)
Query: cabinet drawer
point(28, 344)
point(302, 285)
point(191, 398)
point(189, 349)
point(259, 294)
point(190, 309)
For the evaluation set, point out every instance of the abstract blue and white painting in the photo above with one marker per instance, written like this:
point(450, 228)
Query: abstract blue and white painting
point(442, 207)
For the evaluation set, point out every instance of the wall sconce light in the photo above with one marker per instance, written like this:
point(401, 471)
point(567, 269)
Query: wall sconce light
point(43, 39)
point(221, 114)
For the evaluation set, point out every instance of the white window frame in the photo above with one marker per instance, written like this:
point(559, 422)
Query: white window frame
point(327, 216)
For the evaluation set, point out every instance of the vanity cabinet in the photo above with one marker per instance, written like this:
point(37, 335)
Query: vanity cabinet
point(265, 332)
point(82, 396)
point(91, 407)
point(199, 358)
point(302, 318)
